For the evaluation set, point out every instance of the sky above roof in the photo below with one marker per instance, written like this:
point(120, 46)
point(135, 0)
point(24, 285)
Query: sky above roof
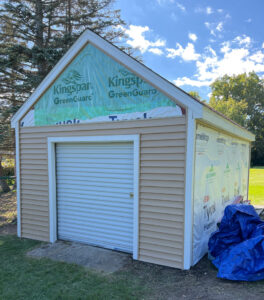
point(191, 43)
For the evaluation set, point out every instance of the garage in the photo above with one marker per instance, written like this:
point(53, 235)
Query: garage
point(110, 154)
point(95, 194)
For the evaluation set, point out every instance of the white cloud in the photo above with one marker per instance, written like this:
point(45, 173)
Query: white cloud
point(226, 47)
point(192, 36)
point(214, 27)
point(138, 40)
point(164, 2)
point(234, 57)
point(262, 45)
point(209, 10)
point(188, 53)
point(257, 57)
point(211, 28)
point(156, 51)
point(220, 10)
point(205, 10)
point(180, 6)
point(243, 40)
point(180, 81)
point(219, 26)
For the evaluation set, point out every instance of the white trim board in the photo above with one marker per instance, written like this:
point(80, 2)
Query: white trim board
point(188, 211)
point(18, 181)
point(52, 178)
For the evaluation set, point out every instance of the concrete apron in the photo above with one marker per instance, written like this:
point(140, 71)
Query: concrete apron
point(95, 258)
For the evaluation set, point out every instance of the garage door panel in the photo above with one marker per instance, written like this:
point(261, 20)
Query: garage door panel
point(118, 200)
point(101, 228)
point(98, 183)
point(67, 219)
point(79, 211)
point(99, 202)
point(108, 164)
point(95, 193)
point(108, 178)
point(91, 170)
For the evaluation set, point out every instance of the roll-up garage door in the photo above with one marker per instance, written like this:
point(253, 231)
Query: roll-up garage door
point(95, 194)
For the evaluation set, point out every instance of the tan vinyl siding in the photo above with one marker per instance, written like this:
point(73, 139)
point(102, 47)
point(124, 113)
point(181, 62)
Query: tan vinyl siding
point(161, 184)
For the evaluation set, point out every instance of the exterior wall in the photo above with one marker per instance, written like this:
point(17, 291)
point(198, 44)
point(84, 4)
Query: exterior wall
point(220, 177)
point(161, 182)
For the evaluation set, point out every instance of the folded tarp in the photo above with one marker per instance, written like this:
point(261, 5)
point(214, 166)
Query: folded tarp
point(238, 245)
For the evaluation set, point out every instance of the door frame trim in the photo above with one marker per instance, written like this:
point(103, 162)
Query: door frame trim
point(51, 141)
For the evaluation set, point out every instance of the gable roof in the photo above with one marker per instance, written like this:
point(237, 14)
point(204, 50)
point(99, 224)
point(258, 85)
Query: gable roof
point(198, 108)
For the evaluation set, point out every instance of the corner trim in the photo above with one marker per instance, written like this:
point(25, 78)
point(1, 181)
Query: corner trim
point(188, 211)
point(18, 180)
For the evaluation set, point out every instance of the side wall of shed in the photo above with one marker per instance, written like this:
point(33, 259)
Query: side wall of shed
point(161, 182)
point(220, 178)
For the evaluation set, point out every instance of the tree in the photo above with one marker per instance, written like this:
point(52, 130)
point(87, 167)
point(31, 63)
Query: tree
point(195, 95)
point(241, 98)
point(34, 35)
point(234, 110)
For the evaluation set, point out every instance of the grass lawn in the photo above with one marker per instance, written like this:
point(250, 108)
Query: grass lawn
point(26, 278)
point(256, 186)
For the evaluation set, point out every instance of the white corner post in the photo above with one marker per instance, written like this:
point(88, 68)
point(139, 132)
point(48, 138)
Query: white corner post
point(18, 180)
point(188, 218)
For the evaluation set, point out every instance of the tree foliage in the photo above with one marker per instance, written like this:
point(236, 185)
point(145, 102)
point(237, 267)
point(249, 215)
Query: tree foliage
point(234, 110)
point(241, 98)
point(35, 34)
point(195, 95)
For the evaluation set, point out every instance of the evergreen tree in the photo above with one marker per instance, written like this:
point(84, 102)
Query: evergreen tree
point(35, 34)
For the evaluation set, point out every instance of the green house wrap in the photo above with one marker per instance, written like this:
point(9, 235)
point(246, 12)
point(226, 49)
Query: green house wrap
point(96, 88)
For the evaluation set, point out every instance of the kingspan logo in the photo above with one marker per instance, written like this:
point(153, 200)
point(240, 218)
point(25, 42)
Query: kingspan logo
point(73, 82)
point(73, 77)
point(125, 79)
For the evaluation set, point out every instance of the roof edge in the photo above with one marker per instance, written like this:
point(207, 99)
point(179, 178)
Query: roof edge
point(216, 119)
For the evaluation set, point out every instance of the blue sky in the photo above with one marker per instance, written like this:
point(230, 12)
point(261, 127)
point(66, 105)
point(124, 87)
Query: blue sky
point(191, 43)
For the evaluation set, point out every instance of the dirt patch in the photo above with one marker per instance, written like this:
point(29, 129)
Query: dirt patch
point(198, 283)
point(95, 258)
point(8, 213)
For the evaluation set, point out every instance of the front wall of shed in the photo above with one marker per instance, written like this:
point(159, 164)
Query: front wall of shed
point(161, 182)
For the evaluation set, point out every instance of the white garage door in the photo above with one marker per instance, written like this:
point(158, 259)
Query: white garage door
point(95, 194)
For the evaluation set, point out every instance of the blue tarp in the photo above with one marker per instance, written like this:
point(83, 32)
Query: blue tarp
point(238, 245)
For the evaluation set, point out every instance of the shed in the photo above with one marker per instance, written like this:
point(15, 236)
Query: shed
point(111, 154)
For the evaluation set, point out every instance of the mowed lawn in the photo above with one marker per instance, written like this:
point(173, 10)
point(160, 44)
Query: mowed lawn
point(256, 186)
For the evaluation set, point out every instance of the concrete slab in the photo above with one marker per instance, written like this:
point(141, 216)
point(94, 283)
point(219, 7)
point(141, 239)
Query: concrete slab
point(95, 258)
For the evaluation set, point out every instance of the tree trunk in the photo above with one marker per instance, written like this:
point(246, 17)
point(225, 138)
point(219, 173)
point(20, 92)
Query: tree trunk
point(3, 184)
point(39, 36)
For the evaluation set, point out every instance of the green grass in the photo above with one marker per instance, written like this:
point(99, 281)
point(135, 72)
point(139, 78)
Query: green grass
point(256, 186)
point(22, 277)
